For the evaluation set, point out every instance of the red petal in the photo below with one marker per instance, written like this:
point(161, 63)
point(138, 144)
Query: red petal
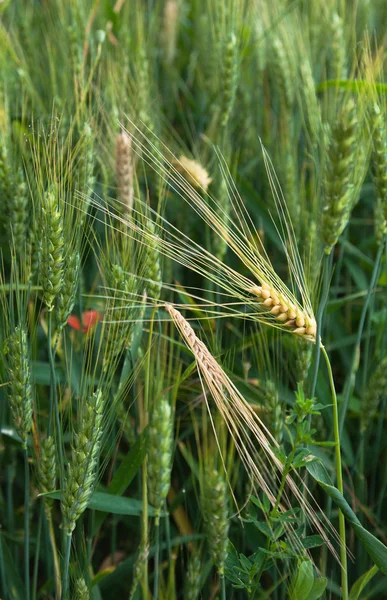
point(74, 322)
point(90, 318)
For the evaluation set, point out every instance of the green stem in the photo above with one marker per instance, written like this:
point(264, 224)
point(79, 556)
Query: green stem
point(37, 554)
point(54, 407)
point(350, 378)
point(339, 477)
point(157, 558)
point(66, 564)
point(223, 588)
point(26, 524)
point(327, 268)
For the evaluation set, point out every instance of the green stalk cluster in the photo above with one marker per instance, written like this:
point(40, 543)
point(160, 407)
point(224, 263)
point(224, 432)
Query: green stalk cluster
point(214, 500)
point(47, 469)
point(83, 468)
point(19, 387)
point(160, 446)
point(229, 78)
point(339, 176)
point(194, 576)
point(275, 409)
point(52, 250)
point(377, 389)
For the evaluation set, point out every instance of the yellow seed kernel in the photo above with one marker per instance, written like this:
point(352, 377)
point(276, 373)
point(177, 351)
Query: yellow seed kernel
point(300, 321)
point(275, 310)
point(268, 302)
point(284, 307)
point(256, 289)
point(265, 293)
point(300, 330)
point(290, 323)
point(292, 313)
point(283, 317)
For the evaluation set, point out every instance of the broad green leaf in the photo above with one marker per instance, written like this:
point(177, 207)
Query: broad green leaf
point(318, 588)
point(302, 582)
point(360, 584)
point(110, 504)
point(312, 541)
point(375, 548)
point(353, 85)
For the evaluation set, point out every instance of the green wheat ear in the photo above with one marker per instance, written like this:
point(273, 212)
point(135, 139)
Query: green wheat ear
point(160, 446)
point(214, 501)
point(19, 387)
point(83, 467)
point(52, 249)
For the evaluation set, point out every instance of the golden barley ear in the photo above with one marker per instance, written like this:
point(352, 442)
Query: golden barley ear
point(247, 429)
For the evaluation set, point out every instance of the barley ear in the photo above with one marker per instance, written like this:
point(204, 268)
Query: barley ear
point(339, 184)
point(47, 469)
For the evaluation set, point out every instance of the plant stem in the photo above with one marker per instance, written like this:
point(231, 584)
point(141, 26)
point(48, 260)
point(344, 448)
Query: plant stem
point(157, 558)
point(327, 268)
point(339, 477)
point(37, 553)
point(349, 382)
point(54, 553)
point(66, 563)
point(53, 407)
point(26, 524)
point(223, 588)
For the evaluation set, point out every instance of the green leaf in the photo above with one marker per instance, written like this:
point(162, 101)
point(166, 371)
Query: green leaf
point(13, 582)
point(312, 541)
point(318, 588)
point(109, 504)
point(353, 85)
point(360, 583)
point(302, 582)
point(375, 548)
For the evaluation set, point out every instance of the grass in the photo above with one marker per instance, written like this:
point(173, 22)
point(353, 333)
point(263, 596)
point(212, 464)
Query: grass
point(193, 286)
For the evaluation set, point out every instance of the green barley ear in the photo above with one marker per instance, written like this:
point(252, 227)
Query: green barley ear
point(120, 313)
point(5, 181)
point(214, 501)
point(282, 72)
point(160, 446)
point(229, 78)
point(379, 157)
point(275, 409)
point(151, 263)
point(377, 389)
point(219, 244)
point(81, 591)
point(303, 360)
point(52, 249)
point(193, 582)
point(339, 185)
point(83, 467)
point(47, 469)
point(19, 387)
point(67, 294)
point(337, 61)
point(18, 212)
point(169, 30)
